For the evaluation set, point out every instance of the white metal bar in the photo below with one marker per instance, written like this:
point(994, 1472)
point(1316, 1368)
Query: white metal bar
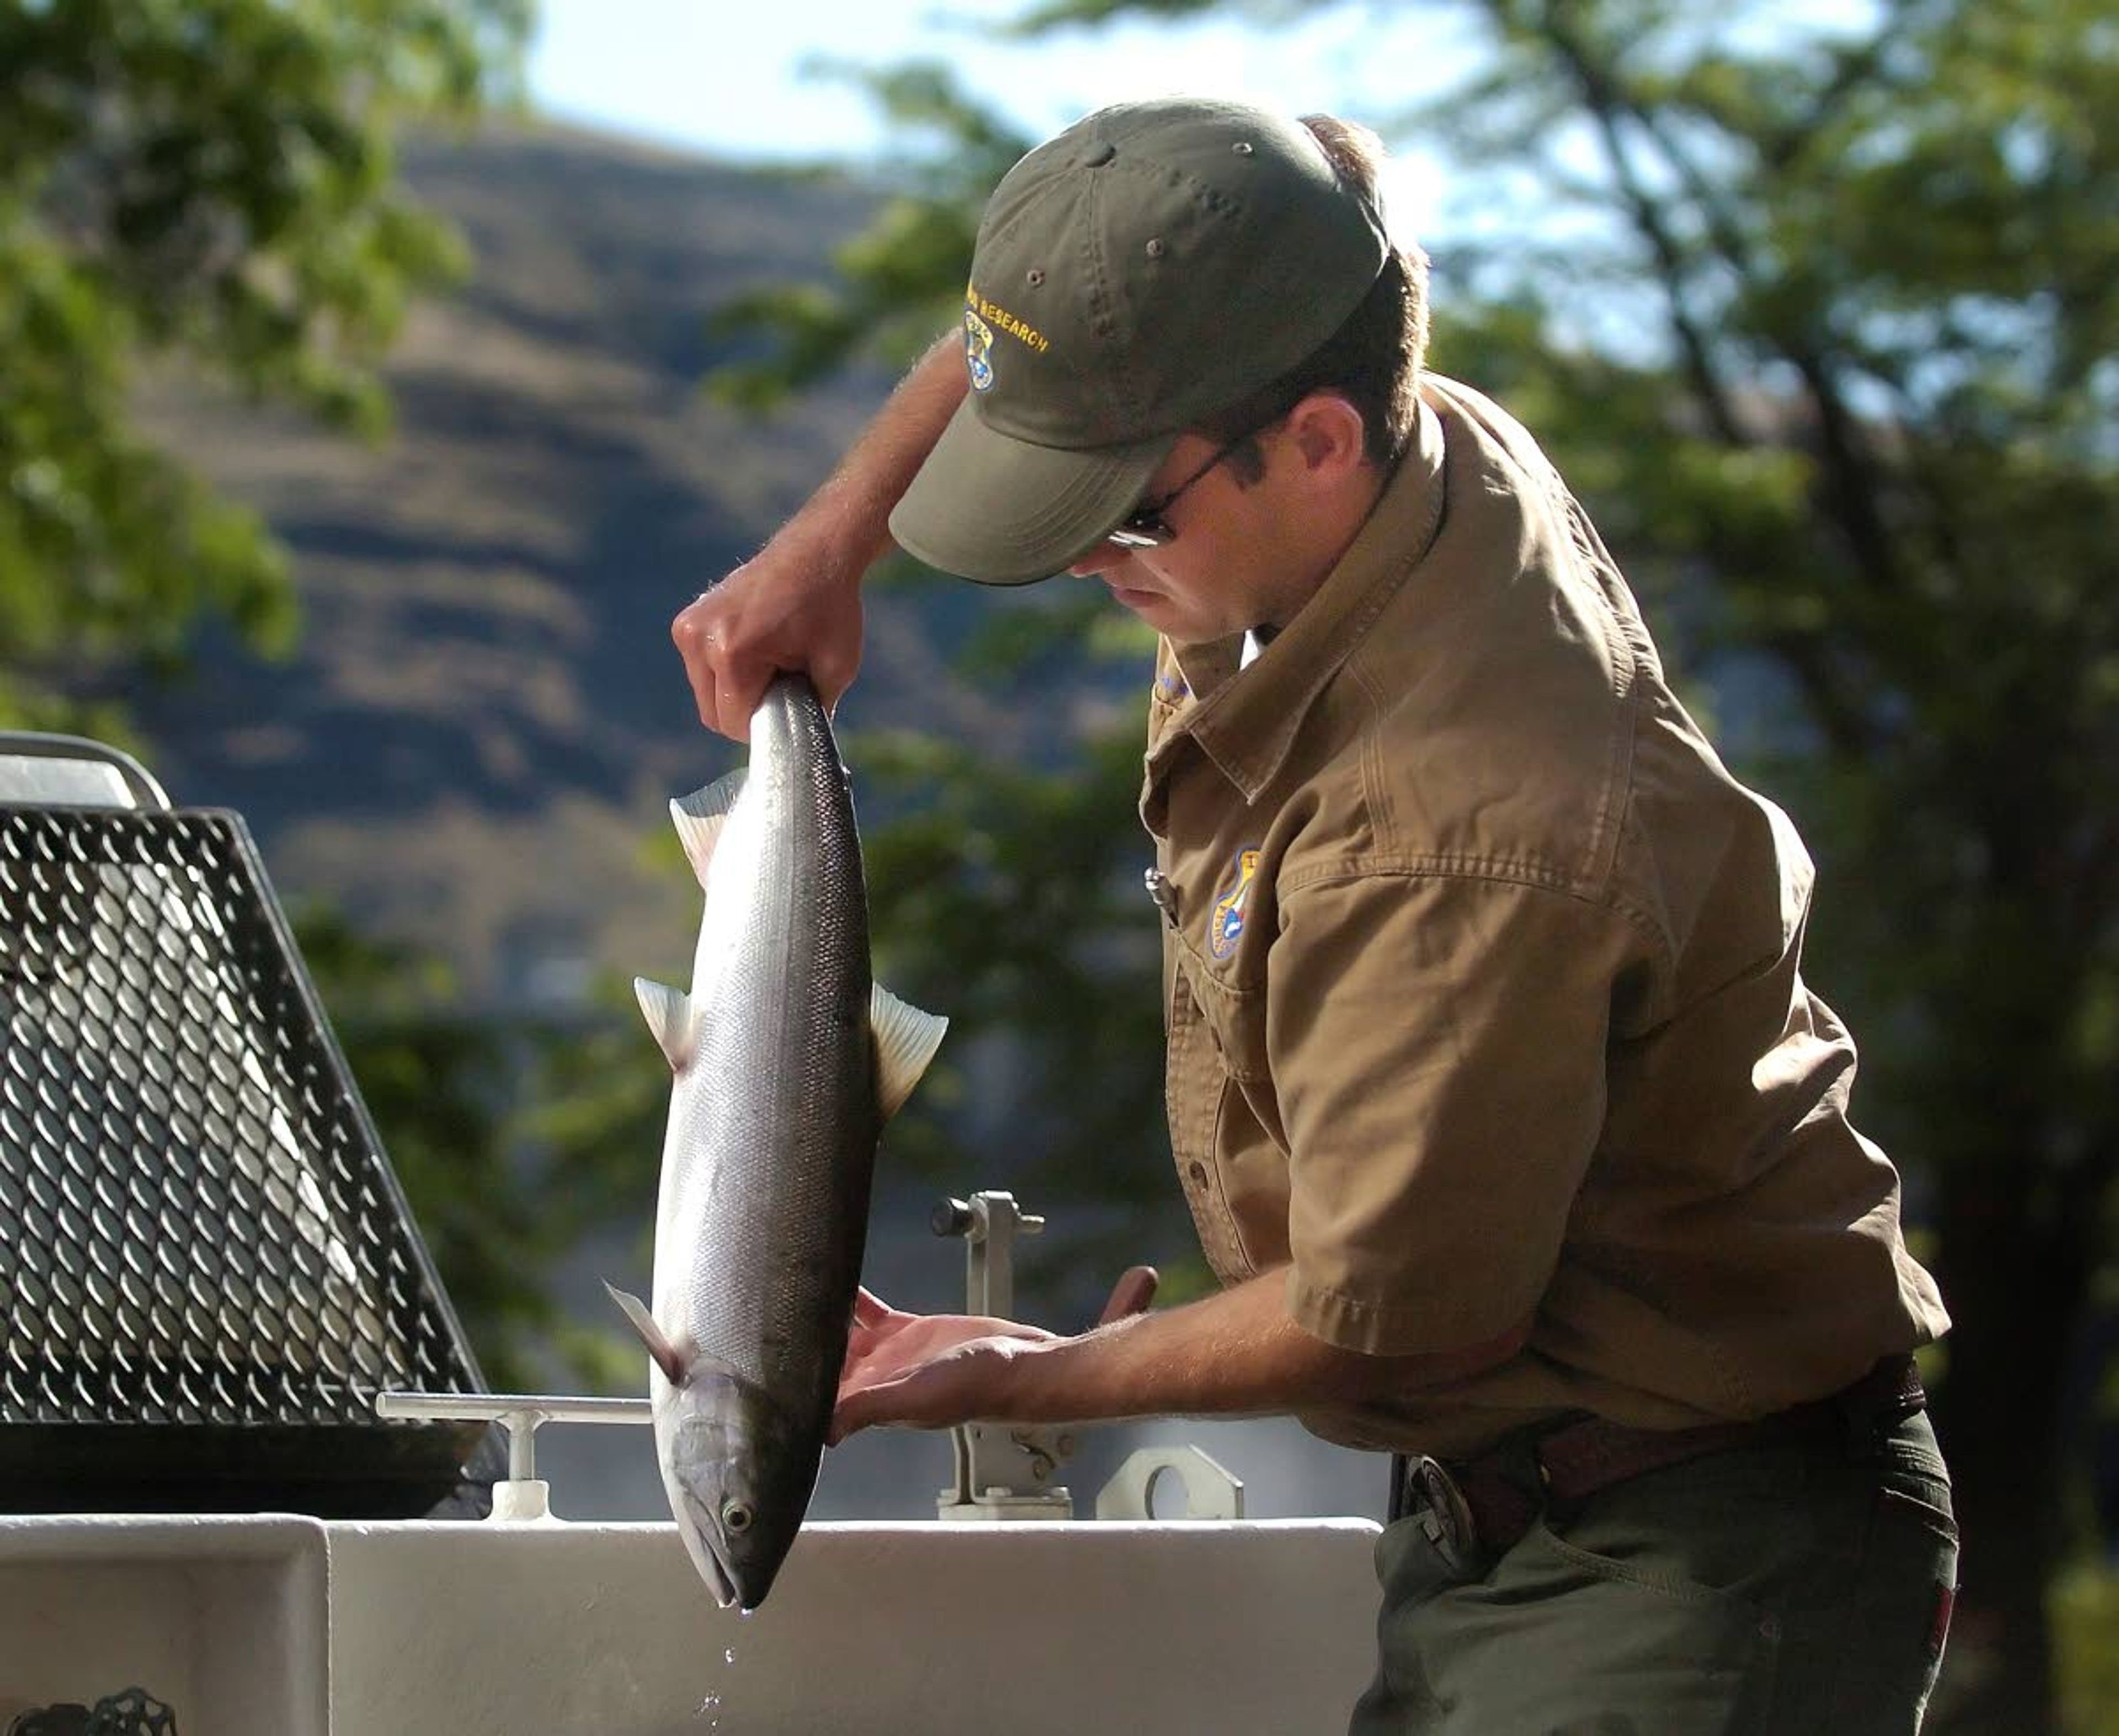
point(522, 1414)
point(498, 1407)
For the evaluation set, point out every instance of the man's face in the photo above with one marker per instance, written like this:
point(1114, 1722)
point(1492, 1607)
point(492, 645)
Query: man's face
point(1215, 577)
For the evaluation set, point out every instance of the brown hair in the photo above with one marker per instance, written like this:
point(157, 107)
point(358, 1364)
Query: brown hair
point(1373, 360)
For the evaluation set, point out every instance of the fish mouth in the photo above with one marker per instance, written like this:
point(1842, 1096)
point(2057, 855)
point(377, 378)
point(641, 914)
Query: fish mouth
point(704, 1545)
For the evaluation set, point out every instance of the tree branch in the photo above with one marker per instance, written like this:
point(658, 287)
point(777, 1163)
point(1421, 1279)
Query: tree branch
point(1608, 110)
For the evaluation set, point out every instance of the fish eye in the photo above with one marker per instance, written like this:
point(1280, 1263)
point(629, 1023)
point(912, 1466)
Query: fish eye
point(736, 1515)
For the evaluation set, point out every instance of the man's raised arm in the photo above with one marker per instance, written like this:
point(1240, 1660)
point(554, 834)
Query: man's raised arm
point(796, 603)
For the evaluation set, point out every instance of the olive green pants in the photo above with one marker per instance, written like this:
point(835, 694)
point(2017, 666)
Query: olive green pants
point(1785, 1589)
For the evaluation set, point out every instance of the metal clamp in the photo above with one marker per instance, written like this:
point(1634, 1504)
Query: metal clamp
point(1001, 1473)
point(522, 1496)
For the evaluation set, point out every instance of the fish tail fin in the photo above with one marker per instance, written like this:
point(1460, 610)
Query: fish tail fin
point(666, 1355)
point(669, 1014)
point(905, 1040)
point(700, 816)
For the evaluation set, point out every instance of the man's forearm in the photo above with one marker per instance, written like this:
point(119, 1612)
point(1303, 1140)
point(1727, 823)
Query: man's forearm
point(797, 603)
point(1234, 1353)
point(851, 509)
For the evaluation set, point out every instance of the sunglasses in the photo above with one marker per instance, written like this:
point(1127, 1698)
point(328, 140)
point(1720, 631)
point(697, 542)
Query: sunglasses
point(1145, 527)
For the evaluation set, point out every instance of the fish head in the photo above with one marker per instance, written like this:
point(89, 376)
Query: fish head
point(738, 1480)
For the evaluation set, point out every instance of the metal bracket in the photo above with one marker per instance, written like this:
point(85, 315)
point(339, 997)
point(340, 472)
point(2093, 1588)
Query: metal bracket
point(523, 1497)
point(1210, 1491)
point(1001, 1473)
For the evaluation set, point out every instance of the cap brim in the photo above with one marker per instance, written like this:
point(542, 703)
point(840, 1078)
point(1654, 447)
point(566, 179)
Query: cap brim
point(1003, 512)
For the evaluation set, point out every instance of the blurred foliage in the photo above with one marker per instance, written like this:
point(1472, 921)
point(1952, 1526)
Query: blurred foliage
point(1004, 895)
point(2085, 1612)
point(1820, 320)
point(207, 183)
point(888, 302)
point(502, 1189)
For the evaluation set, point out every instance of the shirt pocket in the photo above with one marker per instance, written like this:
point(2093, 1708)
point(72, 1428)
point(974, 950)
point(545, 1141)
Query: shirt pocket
point(1233, 1013)
point(1232, 1169)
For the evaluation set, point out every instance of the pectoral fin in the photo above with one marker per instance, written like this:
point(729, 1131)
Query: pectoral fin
point(700, 816)
point(666, 1356)
point(905, 1040)
point(669, 1015)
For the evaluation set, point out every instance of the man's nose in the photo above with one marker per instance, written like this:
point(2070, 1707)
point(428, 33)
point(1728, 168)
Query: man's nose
point(1099, 560)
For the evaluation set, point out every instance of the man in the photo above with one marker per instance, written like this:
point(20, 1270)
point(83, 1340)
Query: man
point(1504, 1114)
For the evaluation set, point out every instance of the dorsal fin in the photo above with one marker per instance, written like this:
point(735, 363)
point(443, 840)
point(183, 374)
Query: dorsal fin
point(666, 1355)
point(700, 816)
point(669, 1014)
point(905, 1040)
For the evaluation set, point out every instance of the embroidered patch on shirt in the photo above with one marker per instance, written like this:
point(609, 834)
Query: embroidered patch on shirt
point(1228, 920)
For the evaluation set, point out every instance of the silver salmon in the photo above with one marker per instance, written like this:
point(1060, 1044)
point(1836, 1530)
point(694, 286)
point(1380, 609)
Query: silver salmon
point(787, 1061)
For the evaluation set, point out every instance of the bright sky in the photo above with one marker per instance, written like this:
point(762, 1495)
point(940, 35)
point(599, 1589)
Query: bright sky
point(728, 80)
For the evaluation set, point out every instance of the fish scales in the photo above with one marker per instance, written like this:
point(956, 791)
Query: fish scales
point(786, 1096)
point(787, 1060)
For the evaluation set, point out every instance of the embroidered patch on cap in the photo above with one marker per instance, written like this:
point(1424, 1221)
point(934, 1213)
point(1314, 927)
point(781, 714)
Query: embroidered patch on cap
point(1226, 927)
point(978, 350)
point(982, 319)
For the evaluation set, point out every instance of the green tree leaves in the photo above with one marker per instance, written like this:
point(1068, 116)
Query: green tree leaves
point(209, 183)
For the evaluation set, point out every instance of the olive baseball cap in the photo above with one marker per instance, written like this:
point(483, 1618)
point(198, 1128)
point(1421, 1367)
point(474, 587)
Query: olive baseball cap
point(1154, 263)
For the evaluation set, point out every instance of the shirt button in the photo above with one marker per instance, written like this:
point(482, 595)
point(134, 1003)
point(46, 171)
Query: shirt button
point(1197, 1173)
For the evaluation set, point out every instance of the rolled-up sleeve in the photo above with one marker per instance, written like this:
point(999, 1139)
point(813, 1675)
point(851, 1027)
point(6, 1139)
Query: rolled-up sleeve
point(1438, 1045)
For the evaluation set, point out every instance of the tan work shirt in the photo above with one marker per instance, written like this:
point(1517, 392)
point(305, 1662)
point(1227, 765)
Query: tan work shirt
point(1483, 991)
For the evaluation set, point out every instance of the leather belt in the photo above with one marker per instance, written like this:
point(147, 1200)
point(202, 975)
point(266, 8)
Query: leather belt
point(1499, 1493)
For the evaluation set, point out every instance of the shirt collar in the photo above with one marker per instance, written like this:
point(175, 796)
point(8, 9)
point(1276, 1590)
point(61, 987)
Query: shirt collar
point(1248, 727)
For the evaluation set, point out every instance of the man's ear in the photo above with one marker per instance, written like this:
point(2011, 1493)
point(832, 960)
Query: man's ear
point(1328, 431)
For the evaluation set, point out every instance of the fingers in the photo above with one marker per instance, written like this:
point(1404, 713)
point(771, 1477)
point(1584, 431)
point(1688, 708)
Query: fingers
point(698, 639)
point(874, 1396)
point(1131, 1294)
point(724, 699)
point(737, 636)
point(854, 1412)
point(927, 1370)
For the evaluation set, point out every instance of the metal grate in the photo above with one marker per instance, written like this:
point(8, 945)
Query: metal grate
point(200, 1236)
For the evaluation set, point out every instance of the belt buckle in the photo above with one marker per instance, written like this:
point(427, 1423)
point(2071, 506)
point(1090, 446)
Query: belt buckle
point(1444, 1515)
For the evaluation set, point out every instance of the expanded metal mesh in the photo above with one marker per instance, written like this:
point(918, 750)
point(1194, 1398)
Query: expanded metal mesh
point(197, 1223)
